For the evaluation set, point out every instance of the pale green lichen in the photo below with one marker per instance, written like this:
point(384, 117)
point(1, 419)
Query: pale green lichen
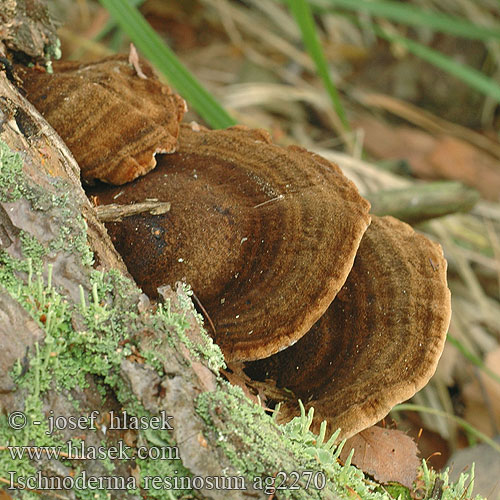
point(178, 323)
point(67, 356)
point(52, 51)
point(32, 248)
point(11, 174)
point(253, 443)
point(263, 454)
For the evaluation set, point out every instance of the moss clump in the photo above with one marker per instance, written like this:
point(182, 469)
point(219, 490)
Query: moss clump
point(81, 340)
point(72, 229)
point(68, 357)
point(248, 437)
point(255, 452)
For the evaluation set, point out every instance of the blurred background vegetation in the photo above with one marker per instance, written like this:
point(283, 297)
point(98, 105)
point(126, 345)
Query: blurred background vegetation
point(404, 96)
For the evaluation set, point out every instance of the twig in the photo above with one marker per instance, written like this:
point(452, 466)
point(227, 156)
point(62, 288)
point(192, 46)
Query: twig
point(423, 201)
point(437, 489)
point(277, 198)
point(115, 212)
point(205, 313)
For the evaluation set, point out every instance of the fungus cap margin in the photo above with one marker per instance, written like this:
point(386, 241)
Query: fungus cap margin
point(113, 121)
point(380, 340)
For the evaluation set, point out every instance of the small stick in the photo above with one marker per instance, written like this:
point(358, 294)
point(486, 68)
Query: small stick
point(279, 197)
point(204, 311)
point(437, 489)
point(422, 202)
point(115, 212)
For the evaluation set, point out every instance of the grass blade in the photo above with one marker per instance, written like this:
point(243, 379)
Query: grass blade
point(460, 421)
point(472, 358)
point(471, 76)
point(154, 49)
point(303, 16)
point(410, 15)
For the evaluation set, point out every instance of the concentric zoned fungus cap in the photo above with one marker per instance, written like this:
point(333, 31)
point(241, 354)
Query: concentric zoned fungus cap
point(266, 236)
point(379, 341)
point(113, 120)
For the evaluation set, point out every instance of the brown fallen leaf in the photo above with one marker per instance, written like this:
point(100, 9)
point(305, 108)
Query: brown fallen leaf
point(456, 159)
point(434, 156)
point(252, 390)
point(204, 374)
point(397, 143)
point(388, 455)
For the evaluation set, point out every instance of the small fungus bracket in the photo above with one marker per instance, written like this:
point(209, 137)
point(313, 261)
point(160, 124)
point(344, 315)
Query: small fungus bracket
point(113, 121)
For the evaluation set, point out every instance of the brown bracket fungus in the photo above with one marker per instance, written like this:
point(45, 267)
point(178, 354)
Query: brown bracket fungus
point(113, 120)
point(266, 236)
point(379, 341)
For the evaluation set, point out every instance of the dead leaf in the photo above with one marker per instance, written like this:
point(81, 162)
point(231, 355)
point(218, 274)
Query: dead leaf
point(258, 392)
point(434, 157)
point(388, 455)
point(204, 374)
point(236, 376)
point(487, 468)
point(398, 143)
point(457, 160)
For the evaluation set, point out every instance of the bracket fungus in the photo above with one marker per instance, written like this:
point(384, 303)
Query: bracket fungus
point(379, 341)
point(276, 243)
point(113, 119)
point(266, 236)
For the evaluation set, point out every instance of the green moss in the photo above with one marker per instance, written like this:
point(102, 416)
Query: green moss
point(254, 443)
point(32, 248)
point(68, 356)
point(73, 239)
point(397, 491)
point(9, 438)
point(52, 51)
point(162, 468)
point(251, 445)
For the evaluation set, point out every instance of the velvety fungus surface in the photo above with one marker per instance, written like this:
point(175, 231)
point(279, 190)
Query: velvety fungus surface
point(266, 236)
point(379, 341)
point(113, 120)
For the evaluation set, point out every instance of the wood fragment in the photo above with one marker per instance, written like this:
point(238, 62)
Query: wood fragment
point(422, 202)
point(115, 212)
